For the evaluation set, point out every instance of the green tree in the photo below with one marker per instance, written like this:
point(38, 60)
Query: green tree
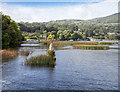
point(58, 34)
point(11, 34)
point(50, 36)
point(71, 31)
point(46, 34)
point(61, 37)
point(75, 36)
point(66, 34)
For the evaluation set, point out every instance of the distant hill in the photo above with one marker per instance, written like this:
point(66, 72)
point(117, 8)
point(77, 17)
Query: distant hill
point(67, 21)
point(108, 19)
point(71, 23)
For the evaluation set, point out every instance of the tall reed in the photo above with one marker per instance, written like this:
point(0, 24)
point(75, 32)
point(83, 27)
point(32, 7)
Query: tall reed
point(8, 54)
point(45, 42)
point(91, 47)
point(43, 60)
point(25, 52)
point(64, 43)
point(108, 43)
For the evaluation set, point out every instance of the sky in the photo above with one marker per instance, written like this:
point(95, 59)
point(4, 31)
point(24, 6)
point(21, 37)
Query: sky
point(47, 10)
point(51, 0)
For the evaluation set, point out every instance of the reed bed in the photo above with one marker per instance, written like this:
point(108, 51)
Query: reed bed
point(8, 54)
point(45, 42)
point(25, 52)
point(91, 47)
point(89, 43)
point(30, 43)
point(108, 43)
point(42, 60)
point(65, 43)
point(50, 53)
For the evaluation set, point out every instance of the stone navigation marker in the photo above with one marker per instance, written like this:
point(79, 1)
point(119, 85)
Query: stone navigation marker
point(51, 47)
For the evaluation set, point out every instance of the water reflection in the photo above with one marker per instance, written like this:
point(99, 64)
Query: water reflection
point(50, 78)
point(51, 67)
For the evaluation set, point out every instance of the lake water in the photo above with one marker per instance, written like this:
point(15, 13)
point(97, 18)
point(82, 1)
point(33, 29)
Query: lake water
point(75, 70)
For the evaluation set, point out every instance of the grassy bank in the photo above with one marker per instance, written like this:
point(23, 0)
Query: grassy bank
point(8, 54)
point(42, 60)
point(91, 47)
point(108, 43)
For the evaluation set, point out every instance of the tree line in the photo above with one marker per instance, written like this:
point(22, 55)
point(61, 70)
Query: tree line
point(75, 30)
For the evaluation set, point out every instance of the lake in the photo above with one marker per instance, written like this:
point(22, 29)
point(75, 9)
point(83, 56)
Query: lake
point(75, 70)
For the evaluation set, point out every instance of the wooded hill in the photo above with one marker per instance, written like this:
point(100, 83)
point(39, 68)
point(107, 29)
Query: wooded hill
point(108, 19)
point(97, 28)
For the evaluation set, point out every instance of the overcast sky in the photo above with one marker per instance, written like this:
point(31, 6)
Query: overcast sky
point(51, 0)
point(52, 10)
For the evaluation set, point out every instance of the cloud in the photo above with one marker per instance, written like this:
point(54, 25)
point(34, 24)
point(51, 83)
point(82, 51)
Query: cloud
point(51, 0)
point(102, 9)
point(43, 14)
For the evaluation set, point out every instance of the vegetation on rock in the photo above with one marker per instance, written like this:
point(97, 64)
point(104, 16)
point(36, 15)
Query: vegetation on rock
point(43, 60)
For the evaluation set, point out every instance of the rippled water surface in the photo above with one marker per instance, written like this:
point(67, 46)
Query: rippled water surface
point(75, 69)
